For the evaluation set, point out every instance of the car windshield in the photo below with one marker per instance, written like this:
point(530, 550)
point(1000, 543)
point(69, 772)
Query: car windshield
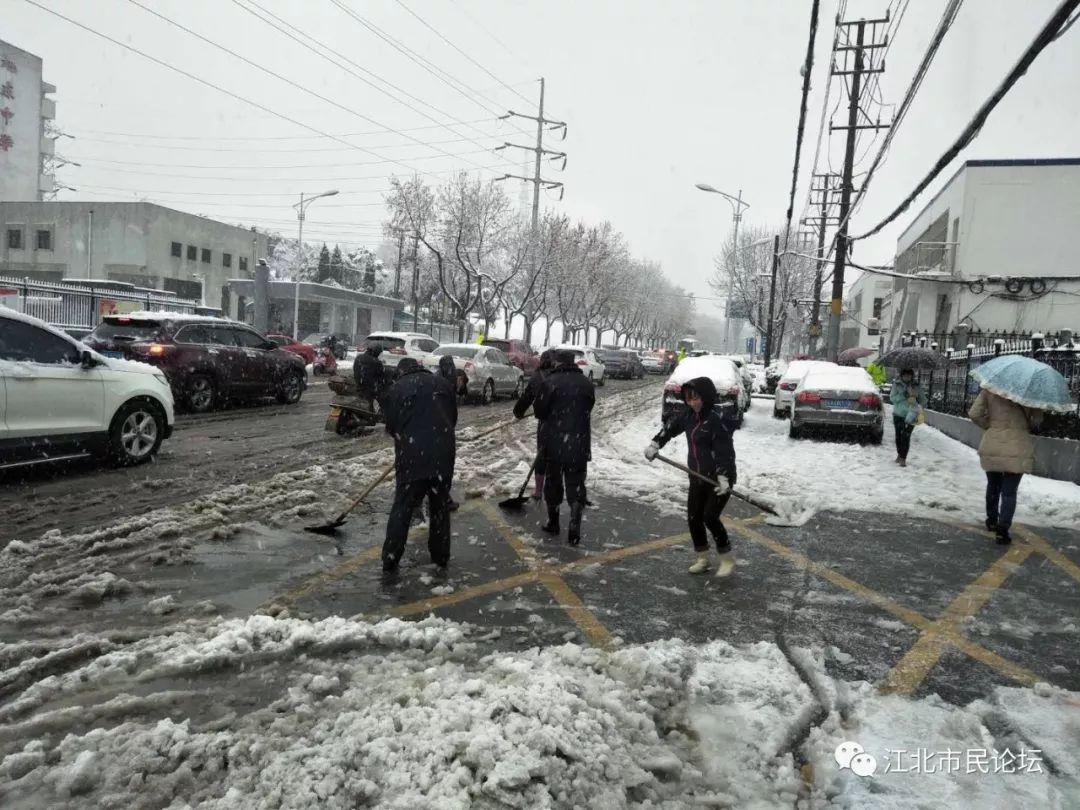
point(466, 352)
point(501, 345)
point(126, 329)
point(385, 342)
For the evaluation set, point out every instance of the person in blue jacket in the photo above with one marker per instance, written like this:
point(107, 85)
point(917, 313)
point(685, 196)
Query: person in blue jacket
point(711, 453)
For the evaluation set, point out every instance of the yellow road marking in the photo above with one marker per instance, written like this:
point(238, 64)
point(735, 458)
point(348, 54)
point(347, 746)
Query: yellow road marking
point(464, 595)
point(1048, 551)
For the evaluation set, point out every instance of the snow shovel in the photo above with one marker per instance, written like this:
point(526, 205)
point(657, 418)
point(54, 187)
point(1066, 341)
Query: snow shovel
point(762, 506)
point(522, 498)
point(333, 525)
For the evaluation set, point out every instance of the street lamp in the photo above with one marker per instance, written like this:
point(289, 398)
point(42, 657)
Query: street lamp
point(301, 207)
point(737, 206)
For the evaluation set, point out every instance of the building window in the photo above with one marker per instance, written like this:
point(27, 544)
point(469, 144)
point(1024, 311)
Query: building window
point(205, 256)
point(14, 239)
point(878, 302)
point(44, 239)
point(177, 250)
point(192, 253)
point(243, 263)
point(226, 260)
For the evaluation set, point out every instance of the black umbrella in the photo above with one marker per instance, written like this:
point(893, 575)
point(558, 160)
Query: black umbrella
point(912, 357)
point(850, 357)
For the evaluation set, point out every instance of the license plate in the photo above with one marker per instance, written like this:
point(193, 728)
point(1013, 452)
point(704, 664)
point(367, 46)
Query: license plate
point(114, 355)
point(839, 403)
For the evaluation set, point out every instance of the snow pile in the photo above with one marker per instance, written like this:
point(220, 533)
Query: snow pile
point(801, 477)
point(414, 717)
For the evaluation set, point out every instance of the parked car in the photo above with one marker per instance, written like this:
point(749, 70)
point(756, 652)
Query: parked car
point(290, 344)
point(488, 372)
point(621, 364)
point(521, 354)
point(744, 373)
point(773, 374)
point(207, 360)
point(757, 373)
point(656, 362)
point(838, 397)
point(587, 359)
point(60, 399)
point(789, 381)
point(342, 342)
point(729, 388)
point(397, 345)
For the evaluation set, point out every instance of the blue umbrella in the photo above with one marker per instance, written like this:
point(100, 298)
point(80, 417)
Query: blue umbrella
point(1026, 382)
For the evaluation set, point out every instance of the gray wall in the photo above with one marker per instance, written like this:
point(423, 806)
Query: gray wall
point(1054, 458)
point(128, 242)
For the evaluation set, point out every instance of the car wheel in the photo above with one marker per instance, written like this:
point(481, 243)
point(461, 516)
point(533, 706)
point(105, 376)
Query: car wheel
point(488, 395)
point(518, 389)
point(794, 432)
point(876, 438)
point(602, 381)
point(591, 378)
point(291, 389)
point(779, 413)
point(136, 433)
point(201, 393)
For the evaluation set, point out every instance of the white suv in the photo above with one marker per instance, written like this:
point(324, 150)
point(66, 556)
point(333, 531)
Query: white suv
point(585, 358)
point(398, 345)
point(59, 399)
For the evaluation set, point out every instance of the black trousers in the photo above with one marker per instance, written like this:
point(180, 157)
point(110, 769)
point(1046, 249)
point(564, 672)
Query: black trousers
point(575, 484)
point(1001, 491)
point(407, 497)
point(703, 508)
point(903, 436)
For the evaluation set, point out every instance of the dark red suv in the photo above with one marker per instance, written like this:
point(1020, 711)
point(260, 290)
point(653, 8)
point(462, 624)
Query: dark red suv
point(521, 354)
point(207, 361)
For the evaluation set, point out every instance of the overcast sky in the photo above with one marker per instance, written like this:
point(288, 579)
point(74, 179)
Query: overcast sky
point(658, 96)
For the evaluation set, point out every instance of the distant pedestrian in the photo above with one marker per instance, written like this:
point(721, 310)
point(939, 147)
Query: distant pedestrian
point(421, 415)
point(564, 404)
point(523, 404)
point(906, 395)
point(370, 375)
point(1006, 452)
point(711, 453)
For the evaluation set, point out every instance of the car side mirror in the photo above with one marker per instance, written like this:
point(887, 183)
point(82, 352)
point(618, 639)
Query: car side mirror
point(86, 360)
point(269, 345)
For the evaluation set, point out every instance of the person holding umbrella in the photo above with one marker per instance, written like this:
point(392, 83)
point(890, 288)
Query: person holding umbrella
point(1016, 390)
point(906, 395)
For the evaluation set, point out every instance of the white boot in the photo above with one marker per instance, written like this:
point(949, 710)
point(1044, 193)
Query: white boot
point(727, 564)
point(701, 564)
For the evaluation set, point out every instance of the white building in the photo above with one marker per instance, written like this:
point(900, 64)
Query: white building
point(866, 303)
point(24, 111)
point(995, 249)
point(140, 243)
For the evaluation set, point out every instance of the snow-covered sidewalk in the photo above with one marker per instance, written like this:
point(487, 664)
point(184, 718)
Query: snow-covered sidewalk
point(802, 476)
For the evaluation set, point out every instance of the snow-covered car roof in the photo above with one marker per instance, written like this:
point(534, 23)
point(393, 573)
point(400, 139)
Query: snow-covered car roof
point(797, 369)
point(475, 347)
point(720, 370)
point(569, 347)
point(397, 335)
point(11, 314)
point(838, 378)
point(162, 315)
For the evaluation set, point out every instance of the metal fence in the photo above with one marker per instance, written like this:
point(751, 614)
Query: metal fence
point(950, 389)
point(79, 308)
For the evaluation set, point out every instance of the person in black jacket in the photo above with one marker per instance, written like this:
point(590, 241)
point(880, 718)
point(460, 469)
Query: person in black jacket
point(564, 404)
point(421, 415)
point(523, 404)
point(369, 374)
point(711, 452)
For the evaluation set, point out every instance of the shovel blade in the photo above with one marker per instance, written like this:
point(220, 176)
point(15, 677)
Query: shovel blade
point(327, 528)
point(515, 503)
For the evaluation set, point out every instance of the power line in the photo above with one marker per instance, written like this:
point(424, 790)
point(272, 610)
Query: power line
point(347, 70)
point(289, 194)
point(278, 180)
point(808, 64)
point(1046, 35)
point(142, 135)
point(202, 81)
point(481, 26)
point(456, 48)
point(287, 80)
point(289, 151)
point(216, 166)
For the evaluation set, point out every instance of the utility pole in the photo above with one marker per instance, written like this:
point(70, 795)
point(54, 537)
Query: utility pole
point(397, 270)
point(857, 61)
point(537, 180)
point(415, 283)
point(823, 191)
point(772, 297)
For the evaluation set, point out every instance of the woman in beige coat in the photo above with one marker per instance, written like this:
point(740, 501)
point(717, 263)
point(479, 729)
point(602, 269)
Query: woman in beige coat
point(1007, 452)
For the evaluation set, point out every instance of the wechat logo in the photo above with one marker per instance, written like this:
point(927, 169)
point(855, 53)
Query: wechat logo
point(851, 755)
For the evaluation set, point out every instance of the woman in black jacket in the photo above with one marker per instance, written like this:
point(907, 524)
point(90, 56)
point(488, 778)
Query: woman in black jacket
point(523, 404)
point(711, 452)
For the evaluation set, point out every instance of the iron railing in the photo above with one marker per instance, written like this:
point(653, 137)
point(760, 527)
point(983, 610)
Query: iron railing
point(79, 308)
point(950, 389)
